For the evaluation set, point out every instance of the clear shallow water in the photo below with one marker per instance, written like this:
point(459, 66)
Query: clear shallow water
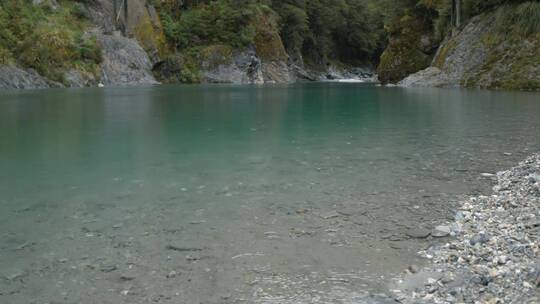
point(289, 194)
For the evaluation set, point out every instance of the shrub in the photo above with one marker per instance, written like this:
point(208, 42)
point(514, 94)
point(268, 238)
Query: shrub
point(50, 41)
point(216, 22)
point(523, 19)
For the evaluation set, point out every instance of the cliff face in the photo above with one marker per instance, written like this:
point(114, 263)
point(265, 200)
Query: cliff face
point(122, 60)
point(482, 56)
point(411, 48)
point(263, 61)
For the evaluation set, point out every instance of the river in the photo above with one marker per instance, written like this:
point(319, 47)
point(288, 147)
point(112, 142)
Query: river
point(283, 194)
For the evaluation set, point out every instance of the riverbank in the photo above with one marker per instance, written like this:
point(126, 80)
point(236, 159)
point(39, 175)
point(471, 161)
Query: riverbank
point(494, 256)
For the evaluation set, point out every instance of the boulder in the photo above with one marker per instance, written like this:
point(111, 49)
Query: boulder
point(124, 62)
point(410, 49)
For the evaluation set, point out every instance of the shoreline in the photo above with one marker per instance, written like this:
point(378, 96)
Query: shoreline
point(493, 256)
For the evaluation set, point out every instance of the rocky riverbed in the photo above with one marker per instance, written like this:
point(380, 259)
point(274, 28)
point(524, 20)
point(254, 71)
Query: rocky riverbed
point(493, 257)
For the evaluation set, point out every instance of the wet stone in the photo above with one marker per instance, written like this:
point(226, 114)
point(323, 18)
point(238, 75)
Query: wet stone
point(329, 215)
point(441, 231)
point(108, 268)
point(418, 233)
point(493, 257)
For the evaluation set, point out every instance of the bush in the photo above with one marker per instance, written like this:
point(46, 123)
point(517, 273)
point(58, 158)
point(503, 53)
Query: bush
point(49, 41)
point(212, 23)
point(523, 19)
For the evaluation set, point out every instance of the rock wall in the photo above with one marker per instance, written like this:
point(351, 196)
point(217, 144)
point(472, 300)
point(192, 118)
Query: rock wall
point(480, 56)
point(410, 49)
point(142, 23)
point(16, 78)
point(125, 62)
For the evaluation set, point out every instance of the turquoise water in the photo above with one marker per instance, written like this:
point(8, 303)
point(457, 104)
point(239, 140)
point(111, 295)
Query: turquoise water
point(307, 185)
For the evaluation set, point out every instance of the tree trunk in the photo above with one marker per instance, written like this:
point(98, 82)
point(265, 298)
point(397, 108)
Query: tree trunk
point(458, 13)
point(126, 17)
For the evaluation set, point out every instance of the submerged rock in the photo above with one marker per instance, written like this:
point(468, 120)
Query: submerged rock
point(418, 233)
point(495, 257)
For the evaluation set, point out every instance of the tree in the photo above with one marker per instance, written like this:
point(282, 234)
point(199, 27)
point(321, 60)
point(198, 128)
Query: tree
point(456, 13)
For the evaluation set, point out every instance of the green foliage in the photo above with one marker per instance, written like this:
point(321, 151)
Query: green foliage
point(523, 19)
point(50, 41)
point(217, 22)
point(326, 30)
point(318, 31)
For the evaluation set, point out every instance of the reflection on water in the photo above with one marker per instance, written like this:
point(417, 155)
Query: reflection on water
point(306, 185)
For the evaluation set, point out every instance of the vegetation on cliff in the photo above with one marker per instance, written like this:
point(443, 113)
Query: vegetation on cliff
point(317, 33)
point(416, 28)
point(400, 36)
point(47, 37)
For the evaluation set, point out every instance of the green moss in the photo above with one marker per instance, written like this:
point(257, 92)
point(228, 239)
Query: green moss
point(182, 68)
point(443, 52)
point(212, 56)
point(512, 65)
point(267, 40)
point(151, 38)
point(403, 55)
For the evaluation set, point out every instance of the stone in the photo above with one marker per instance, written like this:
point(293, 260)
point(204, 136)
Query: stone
point(12, 77)
point(489, 175)
point(441, 231)
point(171, 274)
point(108, 268)
point(418, 233)
point(413, 268)
point(480, 238)
point(329, 214)
point(15, 275)
point(491, 259)
point(179, 248)
point(77, 79)
point(124, 62)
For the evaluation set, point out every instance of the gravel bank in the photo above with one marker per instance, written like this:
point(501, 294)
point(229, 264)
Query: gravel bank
point(493, 257)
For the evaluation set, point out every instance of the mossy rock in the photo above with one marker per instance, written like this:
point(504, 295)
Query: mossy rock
point(268, 43)
point(399, 60)
point(405, 53)
point(152, 38)
point(512, 63)
point(177, 68)
point(212, 56)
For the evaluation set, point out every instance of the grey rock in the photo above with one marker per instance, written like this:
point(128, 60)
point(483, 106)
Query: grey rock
point(171, 274)
point(108, 268)
point(17, 78)
point(182, 249)
point(489, 175)
point(491, 260)
point(124, 62)
point(76, 79)
point(480, 238)
point(244, 68)
point(441, 231)
point(329, 214)
point(418, 233)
